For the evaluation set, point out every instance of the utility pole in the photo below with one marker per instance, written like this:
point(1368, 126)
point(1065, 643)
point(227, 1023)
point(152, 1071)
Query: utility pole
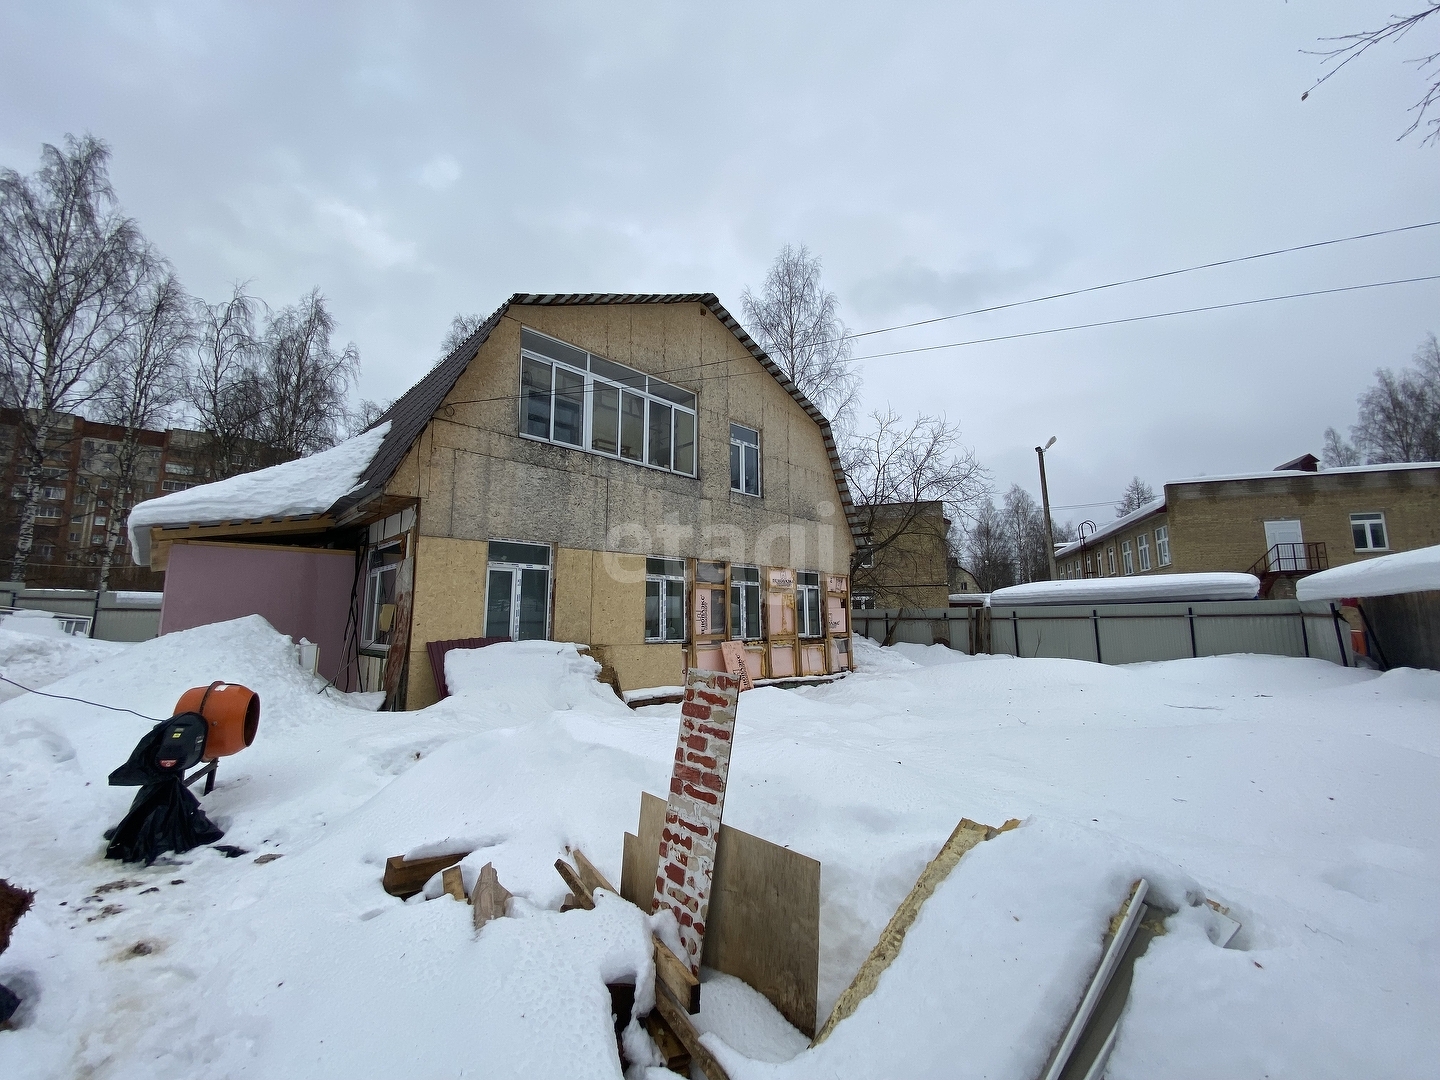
point(1045, 503)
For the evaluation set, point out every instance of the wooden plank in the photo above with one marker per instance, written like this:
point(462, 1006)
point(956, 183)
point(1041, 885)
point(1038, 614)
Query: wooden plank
point(488, 897)
point(764, 925)
point(677, 1058)
point(674, 974)
point(734, 653)
point(453, 883)
point(965, 836)
point(406, 877)
point(684, 1030)
point(575, 885)
point(397, 655)
point(591, 877)
point(637, 877)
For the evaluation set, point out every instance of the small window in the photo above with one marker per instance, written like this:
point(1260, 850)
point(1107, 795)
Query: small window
point(382, 566)
point(1162, 544)
point(863, 600)
point(1088, 570)
point(1369, 532)
point(744, 460)
point(97, 539)
point(517, 590)
point(1127, 557)
point(808, 608)
point(99, 519)
point(1110, 559)
point(74, 537)
point(745, 602)
point(1144, 551)
point(664, 600)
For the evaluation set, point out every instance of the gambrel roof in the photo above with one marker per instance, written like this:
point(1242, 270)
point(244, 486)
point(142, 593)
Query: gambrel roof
point(415, 408)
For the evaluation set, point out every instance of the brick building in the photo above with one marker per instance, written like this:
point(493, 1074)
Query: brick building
point(1278, 525)
point(908, 566)
point(79, 497)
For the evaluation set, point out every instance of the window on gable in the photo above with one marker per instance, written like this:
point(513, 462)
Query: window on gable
point(1369, 532)
point(577, 399)
point(744, 460)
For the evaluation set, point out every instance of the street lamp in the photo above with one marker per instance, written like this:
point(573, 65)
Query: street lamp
point(1045, 502)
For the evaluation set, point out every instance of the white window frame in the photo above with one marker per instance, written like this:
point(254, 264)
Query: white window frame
point(653, 393)
point(1127, 557)
point(1162, 545)
point(516, 568)
point(741, 589)
point(738, 446)
point(807, 589)
point(669, 582)
point(1366, 522)
point(1142, 548)
point(374, 577)
point(1110, 560)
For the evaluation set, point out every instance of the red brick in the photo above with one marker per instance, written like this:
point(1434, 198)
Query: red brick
point(695, 742)
point(675, 874)
point(687, 772)
point(703, 796)
point(675, 786)
point(699, 712)
point(714, 732)
point(712, 699)
point(712, 781)
point(705, 761)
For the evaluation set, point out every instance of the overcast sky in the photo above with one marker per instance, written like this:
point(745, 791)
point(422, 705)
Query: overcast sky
point(414, 162)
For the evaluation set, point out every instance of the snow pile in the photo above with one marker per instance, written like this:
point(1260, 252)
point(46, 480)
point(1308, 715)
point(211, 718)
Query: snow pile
point(309, 485)
point(1301, 794)
point(36, 659)
point(1403, 572)
point(36, 623)
point(1121, 590)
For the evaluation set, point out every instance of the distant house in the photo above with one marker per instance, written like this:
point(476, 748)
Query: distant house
point(905, 558)
point(1279, 525)
point(631, 472)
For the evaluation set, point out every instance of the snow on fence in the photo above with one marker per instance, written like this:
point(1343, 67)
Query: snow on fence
point(1124, 633)
point(123, 616)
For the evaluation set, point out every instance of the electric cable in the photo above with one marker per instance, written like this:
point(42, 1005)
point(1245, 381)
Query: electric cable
point(82, 701)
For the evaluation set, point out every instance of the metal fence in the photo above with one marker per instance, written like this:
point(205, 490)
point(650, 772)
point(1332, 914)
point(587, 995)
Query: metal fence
point(122, 616)
point(1124, 633)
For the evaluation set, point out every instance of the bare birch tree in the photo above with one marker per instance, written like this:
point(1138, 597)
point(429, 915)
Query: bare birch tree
point(140, 383)
point(1348, 47)
point(222, 382)
point(1337, 453)
point(797, 322)
point(1399, 417)
point(894, 466)
point(70, 267)
point(303, 380)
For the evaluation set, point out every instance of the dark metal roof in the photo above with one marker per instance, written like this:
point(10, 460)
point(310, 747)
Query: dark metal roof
point(414, 409)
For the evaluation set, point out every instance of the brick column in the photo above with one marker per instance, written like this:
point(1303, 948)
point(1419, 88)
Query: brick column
point(695, 804)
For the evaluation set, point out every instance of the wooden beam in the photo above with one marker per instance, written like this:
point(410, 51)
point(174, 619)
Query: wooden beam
point(452, 882)
point(677, 1058)
point(684, 1030)
point(592, 878)
point(674, 974)
point(406, 877)
point(577, 887)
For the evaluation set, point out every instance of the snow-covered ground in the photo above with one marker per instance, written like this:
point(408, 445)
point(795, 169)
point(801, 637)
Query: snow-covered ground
point(1304, 796)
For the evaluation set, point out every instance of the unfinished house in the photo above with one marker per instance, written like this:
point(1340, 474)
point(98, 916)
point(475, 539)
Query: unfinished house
point(631, 472)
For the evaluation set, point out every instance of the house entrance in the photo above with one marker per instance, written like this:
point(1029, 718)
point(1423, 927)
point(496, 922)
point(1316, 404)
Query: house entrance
point(1286, 546)
point(517, 592)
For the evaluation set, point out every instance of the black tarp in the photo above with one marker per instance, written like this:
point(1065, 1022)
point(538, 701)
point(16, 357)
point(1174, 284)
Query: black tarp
point(165, 815)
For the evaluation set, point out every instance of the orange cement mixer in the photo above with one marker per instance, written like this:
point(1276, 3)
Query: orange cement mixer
point(231, 711)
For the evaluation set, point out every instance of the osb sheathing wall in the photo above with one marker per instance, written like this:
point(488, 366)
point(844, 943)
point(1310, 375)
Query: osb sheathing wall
point(478, 480)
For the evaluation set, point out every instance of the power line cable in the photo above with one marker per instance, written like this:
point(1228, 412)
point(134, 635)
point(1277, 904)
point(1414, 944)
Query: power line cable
point(82, 701)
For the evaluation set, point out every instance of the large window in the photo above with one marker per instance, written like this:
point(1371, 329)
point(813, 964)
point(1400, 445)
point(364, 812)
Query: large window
point(1162, 544)
point(1127, 555)
point(808, 606)
point(1110, 560)
point(745, 602)
point(664, 600)
point(1369, 532)
point(1143, 543)
point(517, 591)
point(382, 564)
point(744, 460)
point(577, 399)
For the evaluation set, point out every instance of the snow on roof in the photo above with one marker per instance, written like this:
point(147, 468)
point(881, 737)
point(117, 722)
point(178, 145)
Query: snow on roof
point(1403, 572)
point(308, 485)
point(1397, 466)
point(1156, 589)
point(1118, 525)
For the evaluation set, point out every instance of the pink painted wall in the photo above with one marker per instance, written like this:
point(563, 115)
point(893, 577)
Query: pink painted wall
point(302, 593)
